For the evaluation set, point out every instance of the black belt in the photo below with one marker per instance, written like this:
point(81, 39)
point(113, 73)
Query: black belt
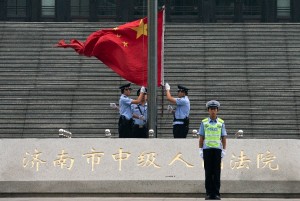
point(139, 126)
point(182, 120)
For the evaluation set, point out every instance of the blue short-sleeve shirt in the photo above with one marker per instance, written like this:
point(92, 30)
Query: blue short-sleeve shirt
point(125, 106)
point(182, 110)
point(142, 111)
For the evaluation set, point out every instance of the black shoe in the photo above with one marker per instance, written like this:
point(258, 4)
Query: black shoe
point(217, 197)
point(209, 197)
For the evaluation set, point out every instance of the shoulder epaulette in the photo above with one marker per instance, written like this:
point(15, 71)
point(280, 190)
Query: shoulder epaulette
point(220, 120)
point(205, 120)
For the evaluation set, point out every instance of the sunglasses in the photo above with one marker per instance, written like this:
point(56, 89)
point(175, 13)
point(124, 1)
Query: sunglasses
point(128, 89)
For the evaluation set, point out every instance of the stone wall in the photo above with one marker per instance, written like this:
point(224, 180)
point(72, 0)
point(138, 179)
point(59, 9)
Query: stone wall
point(144, 166)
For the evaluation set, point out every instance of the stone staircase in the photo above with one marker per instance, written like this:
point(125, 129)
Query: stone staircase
point(252, 69)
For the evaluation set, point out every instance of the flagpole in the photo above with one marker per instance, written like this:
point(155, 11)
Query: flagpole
point(152, 65)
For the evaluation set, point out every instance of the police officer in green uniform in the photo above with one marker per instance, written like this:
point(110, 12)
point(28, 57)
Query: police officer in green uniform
point(125, 121)
point(212, 148)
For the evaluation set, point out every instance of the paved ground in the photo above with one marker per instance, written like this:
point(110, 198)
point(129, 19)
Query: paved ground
point(139, 199)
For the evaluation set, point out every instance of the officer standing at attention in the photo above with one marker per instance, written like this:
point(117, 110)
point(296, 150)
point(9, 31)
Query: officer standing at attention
point(181, 114)
point(212, 148)
point(125, 120)
point(139, 112)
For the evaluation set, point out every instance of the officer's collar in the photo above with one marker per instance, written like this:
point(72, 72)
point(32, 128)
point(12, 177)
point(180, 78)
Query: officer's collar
point(210, 120)
point(142, 105)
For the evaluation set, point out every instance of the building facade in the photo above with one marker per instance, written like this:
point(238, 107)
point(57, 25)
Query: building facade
point(185, 11)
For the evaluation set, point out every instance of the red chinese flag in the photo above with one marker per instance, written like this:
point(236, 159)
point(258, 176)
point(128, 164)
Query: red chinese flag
point(124, 49)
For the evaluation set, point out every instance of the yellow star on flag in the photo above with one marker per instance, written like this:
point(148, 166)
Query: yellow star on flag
point(141, 29)
point(125, 44)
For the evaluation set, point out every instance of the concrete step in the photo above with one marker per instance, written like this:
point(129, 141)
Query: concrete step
point(253, 69)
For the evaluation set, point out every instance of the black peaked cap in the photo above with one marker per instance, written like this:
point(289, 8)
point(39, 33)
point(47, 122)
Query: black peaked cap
point(182, 88)
point(124, 86)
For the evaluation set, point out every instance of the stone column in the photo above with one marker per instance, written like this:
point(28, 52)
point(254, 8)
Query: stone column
point(35, 11)
point(93, 11)
point(167, 11)
point(269, 11)
point(238, 11)
point(295, 10)
point(3, 7)
point(124, 10)
point(208, 11)
point(63, 10)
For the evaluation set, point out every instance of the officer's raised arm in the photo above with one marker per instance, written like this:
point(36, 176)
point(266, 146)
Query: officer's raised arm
point(139, 99)
point(168, 94)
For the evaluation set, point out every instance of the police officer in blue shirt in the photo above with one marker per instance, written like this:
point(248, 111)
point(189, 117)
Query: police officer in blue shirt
point(182, 111)
point(212, 148)
point(125, 120)
point(139, 112)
